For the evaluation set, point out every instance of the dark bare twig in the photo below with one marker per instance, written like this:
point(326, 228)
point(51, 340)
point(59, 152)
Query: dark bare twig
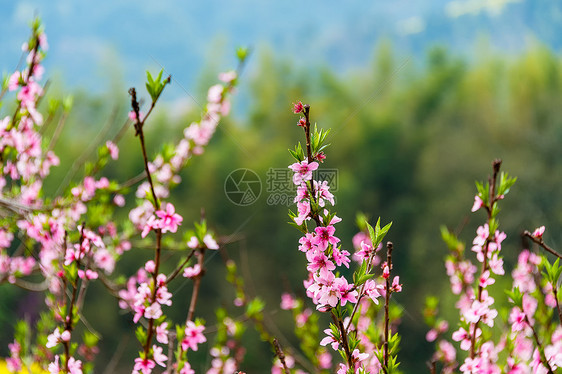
point(180, 267)
point(110, 368)
point(432, 366)
point(281, 355)
point(343, 337)
point(389, 248)
point(139, 123)
point(196, 285)
point(541, 243)
point(539, 346)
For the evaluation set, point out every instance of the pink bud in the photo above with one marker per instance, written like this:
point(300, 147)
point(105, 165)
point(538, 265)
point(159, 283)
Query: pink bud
point(385, 272)
point(539, 232)
point(65, 336)
point(150, 266)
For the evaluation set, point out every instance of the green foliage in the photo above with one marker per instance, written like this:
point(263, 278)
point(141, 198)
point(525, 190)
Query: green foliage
point(515, 297)
point(242, 53)
point(298, 153)
point(317, 140)
point(505, 184)
point(254, 308)
point(451, 240)
point(141, 335)
point(361, 275)
point(377, 234)
point(552, 271)
point(154, 87)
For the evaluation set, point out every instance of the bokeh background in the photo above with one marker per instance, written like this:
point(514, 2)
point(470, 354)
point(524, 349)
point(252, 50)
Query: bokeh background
point(421, 96)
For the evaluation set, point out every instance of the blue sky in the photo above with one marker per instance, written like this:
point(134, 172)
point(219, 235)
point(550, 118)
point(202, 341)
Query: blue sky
point(86, 40)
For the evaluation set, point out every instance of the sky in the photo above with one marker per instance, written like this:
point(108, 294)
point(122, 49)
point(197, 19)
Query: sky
point(92, 45)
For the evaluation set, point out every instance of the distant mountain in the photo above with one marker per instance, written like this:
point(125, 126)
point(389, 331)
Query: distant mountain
point(87, 40)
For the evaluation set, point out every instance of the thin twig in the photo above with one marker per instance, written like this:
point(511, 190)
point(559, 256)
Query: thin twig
point(110, 368)
point(35, 287)
point(343, 337)
point(541, 243)
point(58, 131)
point(555, 292)
point(432, 366)
point(281, 355)
point(180, 267)
point(138, 128)
point(496, 164)
point(539, 346)
point(386, 305)
point(361, 291)
point(196, 285)
point(171, 339)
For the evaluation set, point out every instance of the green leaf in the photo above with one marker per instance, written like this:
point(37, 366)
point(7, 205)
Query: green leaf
point(255, 307)
point(67, 103)
point(515, 296)
point(382, 232)
point(141, 335)
point(90, 340)
point(505, 184)
point(242, 53)
point(361, 221)
point(552, 271)
point(450, 239)
point(377, 234)
point(483, 192)
point(371, 232)
point(159, 77)
point(180, 332)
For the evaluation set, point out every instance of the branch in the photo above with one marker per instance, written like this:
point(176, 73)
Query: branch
point(541, 243)
point(386, 304)
point(196, 285)
point(180, 267)
point(281, 355)
point(489, 209)
point(539, 346)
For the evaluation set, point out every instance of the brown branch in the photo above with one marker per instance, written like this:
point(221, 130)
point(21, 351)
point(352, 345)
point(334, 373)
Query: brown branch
point(35, 287)
point(541, 243)
point(539, 346)
point(432, 366)
point(112, 364)
point(343, 337)
point(306, 111)
point(386, 305)
point(180, 267)
point(171, 338)
point(138, 128)
point(489, 209)
point(281, 355)
point(555, 292)
point(27, 78)
point(361, 291)
point(196, 285)
point(150, 328)
point(68, 322)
